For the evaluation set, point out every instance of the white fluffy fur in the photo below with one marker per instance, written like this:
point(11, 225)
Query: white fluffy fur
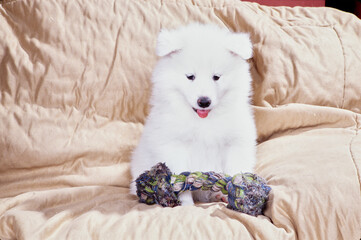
point(224, 141)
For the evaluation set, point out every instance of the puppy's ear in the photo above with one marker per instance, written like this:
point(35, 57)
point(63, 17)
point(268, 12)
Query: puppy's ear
point(240, 44)
point(168, 42)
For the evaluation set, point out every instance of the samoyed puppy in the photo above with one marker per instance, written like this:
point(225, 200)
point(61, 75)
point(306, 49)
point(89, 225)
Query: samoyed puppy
point(200, 117)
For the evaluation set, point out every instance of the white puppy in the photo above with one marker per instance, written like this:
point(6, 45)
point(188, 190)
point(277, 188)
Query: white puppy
point(200, 117)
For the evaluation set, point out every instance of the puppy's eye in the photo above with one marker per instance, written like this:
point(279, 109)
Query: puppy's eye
point(191, 77)
point(216, 77)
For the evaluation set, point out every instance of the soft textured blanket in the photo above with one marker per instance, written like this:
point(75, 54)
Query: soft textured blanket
point(74, 80)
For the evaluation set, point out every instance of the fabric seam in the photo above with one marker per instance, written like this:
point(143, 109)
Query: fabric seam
point(4, 2)
point(344, 67)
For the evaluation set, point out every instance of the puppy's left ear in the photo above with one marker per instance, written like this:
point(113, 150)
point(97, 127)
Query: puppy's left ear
point(168, 43)
point(240, 44)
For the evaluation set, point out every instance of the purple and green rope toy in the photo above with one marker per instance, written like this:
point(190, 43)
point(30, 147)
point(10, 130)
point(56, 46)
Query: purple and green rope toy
point(247, 192)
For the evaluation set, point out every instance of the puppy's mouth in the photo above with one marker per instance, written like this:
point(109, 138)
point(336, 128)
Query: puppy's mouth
point(202, 113)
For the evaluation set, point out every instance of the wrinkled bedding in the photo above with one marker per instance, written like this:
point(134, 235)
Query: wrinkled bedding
point(74, 80)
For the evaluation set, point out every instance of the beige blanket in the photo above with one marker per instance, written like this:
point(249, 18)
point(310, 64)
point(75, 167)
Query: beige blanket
point(74, 80)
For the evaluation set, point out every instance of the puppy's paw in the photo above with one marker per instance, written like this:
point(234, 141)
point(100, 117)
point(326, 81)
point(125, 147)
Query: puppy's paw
point(133, 188)
point(187, 202)
point(186, 199)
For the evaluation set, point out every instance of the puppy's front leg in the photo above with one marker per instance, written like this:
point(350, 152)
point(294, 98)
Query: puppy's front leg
point(240, 159)
point(176, 157)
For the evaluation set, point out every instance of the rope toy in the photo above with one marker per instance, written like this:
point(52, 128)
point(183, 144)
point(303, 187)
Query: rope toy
point(247, 192)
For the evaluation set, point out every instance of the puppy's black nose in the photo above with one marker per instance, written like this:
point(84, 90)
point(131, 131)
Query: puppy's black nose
point(204, 102)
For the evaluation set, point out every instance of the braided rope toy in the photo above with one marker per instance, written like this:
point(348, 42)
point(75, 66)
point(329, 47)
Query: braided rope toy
point(247, 192)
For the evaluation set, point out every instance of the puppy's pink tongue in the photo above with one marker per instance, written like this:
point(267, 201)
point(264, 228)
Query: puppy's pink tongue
point(202, 113)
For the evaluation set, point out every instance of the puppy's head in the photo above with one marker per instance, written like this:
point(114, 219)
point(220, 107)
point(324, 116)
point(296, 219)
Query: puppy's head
point(200, 64)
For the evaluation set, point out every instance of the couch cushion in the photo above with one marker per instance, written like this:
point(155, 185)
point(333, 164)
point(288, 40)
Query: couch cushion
point(74, 92)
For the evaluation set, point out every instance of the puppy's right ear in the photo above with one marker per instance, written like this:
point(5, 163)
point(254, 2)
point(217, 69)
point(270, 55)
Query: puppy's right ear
point(240, 44)
point(168, 43)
